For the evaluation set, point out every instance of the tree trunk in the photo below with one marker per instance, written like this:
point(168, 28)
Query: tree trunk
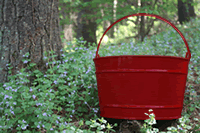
point(106, 23)
point(67, 27)
point(142, 25)
point(191, 8)
point(86, 26)
point(27, 26)
point(185, 11)
point(113, 29)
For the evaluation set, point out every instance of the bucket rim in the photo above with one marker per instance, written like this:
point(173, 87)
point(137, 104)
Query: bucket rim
point(148, 56)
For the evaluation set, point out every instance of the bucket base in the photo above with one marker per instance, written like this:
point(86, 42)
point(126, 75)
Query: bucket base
point(138, 113)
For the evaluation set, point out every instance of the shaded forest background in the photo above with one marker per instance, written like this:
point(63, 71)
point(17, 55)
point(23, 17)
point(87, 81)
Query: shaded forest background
point(36, 27)
point(88, 19)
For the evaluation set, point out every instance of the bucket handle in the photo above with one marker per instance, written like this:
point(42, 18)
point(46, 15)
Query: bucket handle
point(188, 54)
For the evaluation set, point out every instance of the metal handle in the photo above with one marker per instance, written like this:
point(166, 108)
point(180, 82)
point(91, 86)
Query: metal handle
point(188, 54)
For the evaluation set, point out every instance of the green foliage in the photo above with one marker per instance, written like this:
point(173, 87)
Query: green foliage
point(69, 86)
point(147, 126)
point(123, 8)
point(183, 127)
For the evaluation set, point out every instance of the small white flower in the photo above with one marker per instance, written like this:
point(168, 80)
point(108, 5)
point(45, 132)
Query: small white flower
point(103, 126)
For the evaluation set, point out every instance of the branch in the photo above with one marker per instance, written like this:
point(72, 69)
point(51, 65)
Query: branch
point(152, 22)
point(149, 27)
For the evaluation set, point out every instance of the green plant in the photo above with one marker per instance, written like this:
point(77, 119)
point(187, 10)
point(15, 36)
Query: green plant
point(184, 125)
point(63, 87)
point(69, 87)
point(147, 126)
point(28, 108)
point(100, 126)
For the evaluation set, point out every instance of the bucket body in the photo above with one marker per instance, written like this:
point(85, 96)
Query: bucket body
point(130, 85)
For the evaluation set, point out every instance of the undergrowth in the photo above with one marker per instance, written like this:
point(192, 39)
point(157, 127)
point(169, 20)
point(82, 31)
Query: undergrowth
point(64, 98)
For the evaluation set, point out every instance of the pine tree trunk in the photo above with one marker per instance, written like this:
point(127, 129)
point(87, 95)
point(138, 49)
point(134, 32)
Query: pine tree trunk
point(27, 26)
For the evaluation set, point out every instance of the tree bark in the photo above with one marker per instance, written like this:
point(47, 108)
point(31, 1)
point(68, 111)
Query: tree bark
point(27, 26)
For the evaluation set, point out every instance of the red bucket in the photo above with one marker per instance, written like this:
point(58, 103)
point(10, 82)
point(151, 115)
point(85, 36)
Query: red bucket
point(130, 85)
